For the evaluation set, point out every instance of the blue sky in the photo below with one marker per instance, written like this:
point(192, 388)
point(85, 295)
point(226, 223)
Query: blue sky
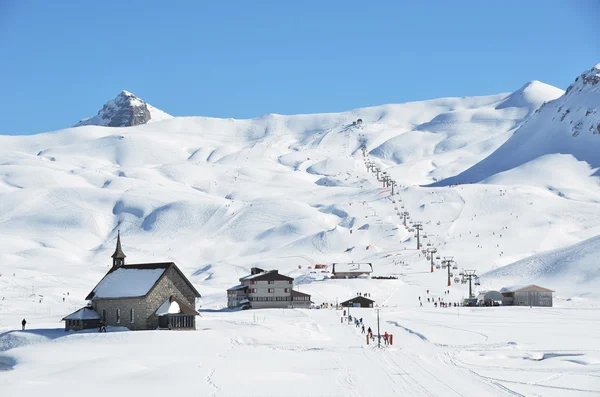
point(62, 60)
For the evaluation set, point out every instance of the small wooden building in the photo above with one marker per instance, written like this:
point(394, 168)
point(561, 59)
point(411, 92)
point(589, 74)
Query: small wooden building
point(358, 301)
point(84, 318)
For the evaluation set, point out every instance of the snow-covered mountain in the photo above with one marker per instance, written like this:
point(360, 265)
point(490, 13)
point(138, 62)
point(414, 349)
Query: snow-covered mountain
point(569, 125)
point(218, 196)
point(461, 133)
point(125, 110)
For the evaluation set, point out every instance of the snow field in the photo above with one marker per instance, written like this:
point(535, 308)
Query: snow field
point(218, 196)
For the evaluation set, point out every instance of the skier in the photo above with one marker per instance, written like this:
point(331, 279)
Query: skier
point(385, 337)
point(363, 329)
point(361, 320)
point(421, 304)
point(23, 324)
point(344, 313)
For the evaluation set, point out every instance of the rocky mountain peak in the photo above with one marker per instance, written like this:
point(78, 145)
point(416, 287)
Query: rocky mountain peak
point(589, 80)
point(124, 110)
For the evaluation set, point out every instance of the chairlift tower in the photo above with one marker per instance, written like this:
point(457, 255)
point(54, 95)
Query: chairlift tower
point(448, 261)
point(386, 180)
point(418, 227)
point(393, 183)
point(469, 275)
point(431, 251)
point(405, 215)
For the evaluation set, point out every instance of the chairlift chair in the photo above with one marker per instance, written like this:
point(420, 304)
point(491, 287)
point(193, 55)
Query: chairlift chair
point(443, 265)
point(437, 266)
point(477, 282)
point(428, 257)
point(438, 257)
point(461, 273)
point(455, 267)
point(456, 280)
point(463, 281)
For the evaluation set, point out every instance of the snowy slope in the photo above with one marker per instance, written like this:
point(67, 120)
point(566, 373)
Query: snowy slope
point(569, 125)
point(125, 110)
point(577, 266)
point(218, 196)
point(462, 134)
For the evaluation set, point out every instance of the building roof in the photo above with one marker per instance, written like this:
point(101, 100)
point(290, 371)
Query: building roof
point(118, 251)
point(132, 281)
point(352, 268)
point(359, 299)
point(174, 306)
point(85, 313)
point(271, 275)
point(298, 293)
point(523, 288)
point(490, 296)
point(237, 287)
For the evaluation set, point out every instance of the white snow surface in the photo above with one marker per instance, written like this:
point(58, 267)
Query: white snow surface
point(569, 125)
point(127, 283)
point(219, 196)
point(85, 313)
point(577, 266)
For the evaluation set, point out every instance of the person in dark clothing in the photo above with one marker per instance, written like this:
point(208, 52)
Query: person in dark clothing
point(363, 329)
point(23, 324)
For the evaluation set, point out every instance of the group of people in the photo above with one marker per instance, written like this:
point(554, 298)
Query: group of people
point(440, 302)
point(358, 322)
point(364, 294)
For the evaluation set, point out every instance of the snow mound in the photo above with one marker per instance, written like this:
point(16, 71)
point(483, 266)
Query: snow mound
point(534, 92)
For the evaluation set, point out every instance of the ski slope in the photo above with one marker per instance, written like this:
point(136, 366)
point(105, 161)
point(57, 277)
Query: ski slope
point(218, 196)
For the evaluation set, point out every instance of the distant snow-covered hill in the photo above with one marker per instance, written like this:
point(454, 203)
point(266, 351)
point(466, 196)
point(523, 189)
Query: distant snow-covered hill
point(569, 125)
point(125, 110)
